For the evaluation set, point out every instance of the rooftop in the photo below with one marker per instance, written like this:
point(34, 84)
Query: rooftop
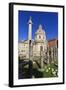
point(52, 42)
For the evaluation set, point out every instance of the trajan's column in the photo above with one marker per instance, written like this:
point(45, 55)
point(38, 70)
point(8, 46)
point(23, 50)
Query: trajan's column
point(30, 39)
point(30, 48)
point(30, 29)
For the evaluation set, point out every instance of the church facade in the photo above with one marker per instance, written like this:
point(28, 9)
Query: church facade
point(39, 48)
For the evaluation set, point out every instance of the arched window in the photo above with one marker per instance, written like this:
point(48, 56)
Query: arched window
point(39, 36)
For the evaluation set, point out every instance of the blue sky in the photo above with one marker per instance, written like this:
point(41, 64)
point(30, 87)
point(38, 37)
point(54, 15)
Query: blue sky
point(48, 20)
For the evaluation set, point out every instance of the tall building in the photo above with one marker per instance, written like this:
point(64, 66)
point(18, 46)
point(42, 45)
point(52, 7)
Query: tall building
point(40, 47)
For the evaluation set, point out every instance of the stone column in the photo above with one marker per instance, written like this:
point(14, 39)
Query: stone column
point(30, 29)
point(30, 59)
point(42, 64)
point(42, 57)
point(48, 58)
point(52, 61)
point(54, 54)
point(30, 50)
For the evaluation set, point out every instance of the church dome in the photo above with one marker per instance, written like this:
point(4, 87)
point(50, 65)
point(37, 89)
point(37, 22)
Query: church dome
point(40, 30)
point(40, 34)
